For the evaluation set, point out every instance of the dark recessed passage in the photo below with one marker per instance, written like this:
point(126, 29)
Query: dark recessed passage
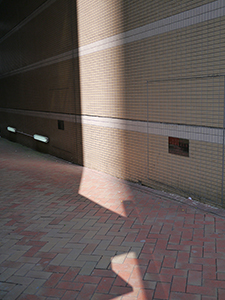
point(178, 146)
point(60, 124)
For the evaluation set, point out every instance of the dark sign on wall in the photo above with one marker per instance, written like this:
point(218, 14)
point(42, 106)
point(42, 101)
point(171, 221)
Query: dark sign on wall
point(178, 146)
point(60, 124)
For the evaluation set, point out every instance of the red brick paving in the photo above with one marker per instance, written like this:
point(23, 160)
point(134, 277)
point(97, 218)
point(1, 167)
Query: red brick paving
point(68, 232)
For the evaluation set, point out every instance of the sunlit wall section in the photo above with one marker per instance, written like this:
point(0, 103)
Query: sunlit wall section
point(152, 90)
point(102, 83)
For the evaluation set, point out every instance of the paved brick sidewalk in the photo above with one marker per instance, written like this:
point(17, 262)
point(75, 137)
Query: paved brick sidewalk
point(68, 232)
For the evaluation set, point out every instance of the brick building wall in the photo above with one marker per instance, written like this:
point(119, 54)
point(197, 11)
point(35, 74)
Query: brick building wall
point(127, 78)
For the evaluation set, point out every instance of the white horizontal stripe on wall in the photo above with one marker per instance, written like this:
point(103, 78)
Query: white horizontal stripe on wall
point(197, 15)
point(197, 133)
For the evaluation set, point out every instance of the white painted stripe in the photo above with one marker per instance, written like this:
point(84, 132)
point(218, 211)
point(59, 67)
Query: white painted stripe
point(197, 133)
point(197, 15)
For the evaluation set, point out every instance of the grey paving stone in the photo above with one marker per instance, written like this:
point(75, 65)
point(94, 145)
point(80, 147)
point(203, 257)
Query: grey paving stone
point(104, 262)
point(87, 268)
point(34, 286)
point(24, 269)
point(38, 274)
point(15, 292)
point(7, 273)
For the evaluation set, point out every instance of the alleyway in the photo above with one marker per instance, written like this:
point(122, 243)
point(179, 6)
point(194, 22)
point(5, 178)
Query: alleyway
point(69, 232)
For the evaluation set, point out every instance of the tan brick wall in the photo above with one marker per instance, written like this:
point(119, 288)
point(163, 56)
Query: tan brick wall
point(125, 155)
point(50, 33)
point(198, 175)
point(118, 152)
point(113, 81)
point(101, 19)
point(181, 67)
point(49, 88)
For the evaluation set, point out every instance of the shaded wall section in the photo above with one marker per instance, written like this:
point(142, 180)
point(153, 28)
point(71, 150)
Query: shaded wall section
point(40, 90)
